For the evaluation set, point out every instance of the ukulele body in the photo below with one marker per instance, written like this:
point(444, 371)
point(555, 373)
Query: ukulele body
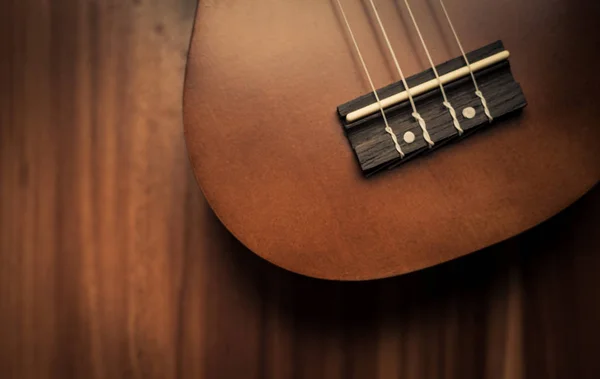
point(263, 84)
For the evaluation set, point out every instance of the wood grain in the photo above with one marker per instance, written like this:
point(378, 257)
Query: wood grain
point(112, 265)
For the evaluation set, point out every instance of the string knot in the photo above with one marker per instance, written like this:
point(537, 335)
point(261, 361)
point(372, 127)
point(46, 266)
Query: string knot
point(485, 106)
point(423, 126)
point(454, 119)
point(389, 130)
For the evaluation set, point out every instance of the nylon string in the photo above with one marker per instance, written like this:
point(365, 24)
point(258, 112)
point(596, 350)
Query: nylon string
point(478, 93)
point(446, 103)
point(415, 114)
point(388, 129)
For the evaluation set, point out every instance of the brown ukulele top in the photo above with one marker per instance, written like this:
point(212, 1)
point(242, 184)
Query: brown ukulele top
point(267, 145)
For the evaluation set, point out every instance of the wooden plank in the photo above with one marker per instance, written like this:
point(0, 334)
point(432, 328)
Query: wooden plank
point(112, 265)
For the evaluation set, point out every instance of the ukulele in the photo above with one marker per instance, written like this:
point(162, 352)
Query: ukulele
point(363, 139)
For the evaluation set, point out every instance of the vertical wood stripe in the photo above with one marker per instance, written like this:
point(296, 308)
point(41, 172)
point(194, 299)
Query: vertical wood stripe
point(112, 265)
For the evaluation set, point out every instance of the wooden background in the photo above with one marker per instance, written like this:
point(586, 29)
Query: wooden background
point(113, 266)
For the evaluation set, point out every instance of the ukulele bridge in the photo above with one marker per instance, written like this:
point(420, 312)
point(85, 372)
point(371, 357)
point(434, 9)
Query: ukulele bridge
point(365, 127)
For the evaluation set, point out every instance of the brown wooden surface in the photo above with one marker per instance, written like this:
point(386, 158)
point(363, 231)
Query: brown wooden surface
point(113, 266)
point(264, 81)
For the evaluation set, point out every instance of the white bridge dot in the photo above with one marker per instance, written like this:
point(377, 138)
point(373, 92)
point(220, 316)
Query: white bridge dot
point(409, 137)
point(469, 112)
